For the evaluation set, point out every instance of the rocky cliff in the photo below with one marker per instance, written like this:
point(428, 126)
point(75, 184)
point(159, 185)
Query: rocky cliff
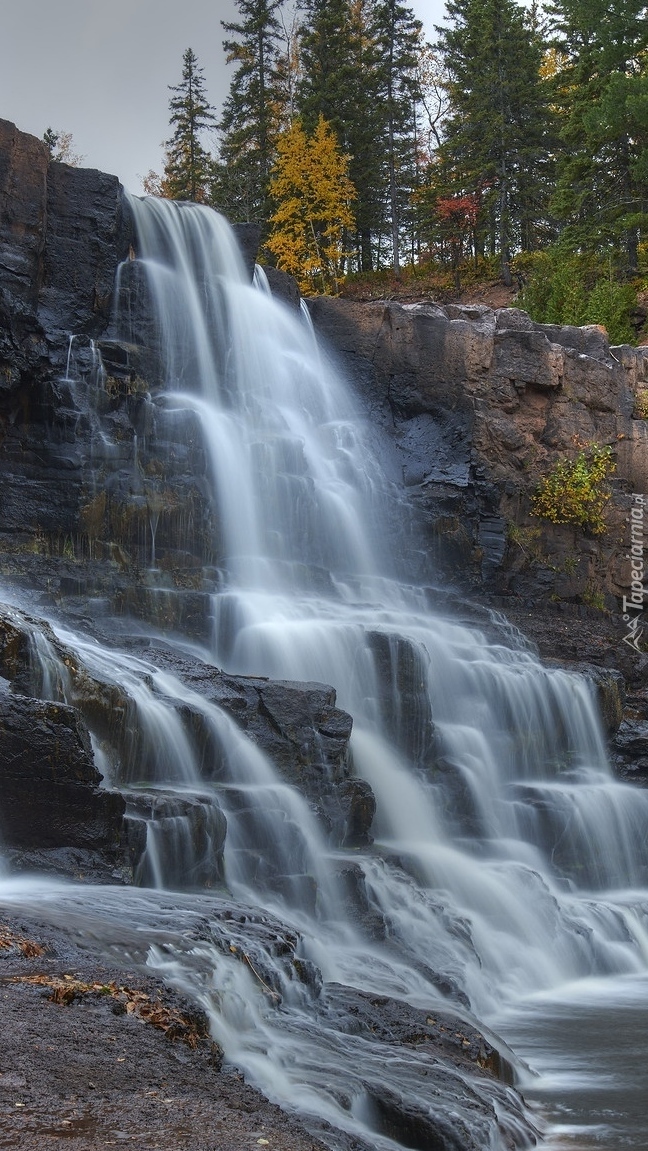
point(481, 404)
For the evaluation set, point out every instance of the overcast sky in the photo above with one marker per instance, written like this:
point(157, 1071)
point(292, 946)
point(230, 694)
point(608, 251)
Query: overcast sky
point(101, 71)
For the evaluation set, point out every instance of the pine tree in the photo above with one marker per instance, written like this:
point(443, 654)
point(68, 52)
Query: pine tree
point(601, 88)
point(399, 46)
point(252, 113)
point(188, 164)
point(496, 136)
point(313, 194)
point(339, 81)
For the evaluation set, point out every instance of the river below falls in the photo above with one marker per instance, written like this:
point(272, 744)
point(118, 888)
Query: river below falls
point(586, 1050)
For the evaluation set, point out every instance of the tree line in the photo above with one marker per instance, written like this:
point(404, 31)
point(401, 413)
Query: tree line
point(518, 138)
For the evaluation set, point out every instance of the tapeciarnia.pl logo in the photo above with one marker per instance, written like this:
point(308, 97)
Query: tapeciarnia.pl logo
point(634, 603)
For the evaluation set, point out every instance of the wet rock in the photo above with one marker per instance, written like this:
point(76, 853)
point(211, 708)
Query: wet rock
point(48, 781)
point(89, 232)
point(451, 1068)
point(175, 840)
point(299, 727)
point(248, 237)
point(401, 679)
point(609, 686)
point(283, 287)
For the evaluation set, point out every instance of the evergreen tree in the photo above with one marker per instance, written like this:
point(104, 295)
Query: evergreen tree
point(496, 137)
point(601, 88)
point(313, 194)
point(252, 113)
point(339, 81)
point(188, 164)
point(398, 41)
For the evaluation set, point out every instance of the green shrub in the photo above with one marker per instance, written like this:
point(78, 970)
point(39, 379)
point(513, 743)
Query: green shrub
point(612, 304)
point(576, 288)
point(575, 492)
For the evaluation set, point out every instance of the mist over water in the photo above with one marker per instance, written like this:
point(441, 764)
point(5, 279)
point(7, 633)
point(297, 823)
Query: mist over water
point(509, 869)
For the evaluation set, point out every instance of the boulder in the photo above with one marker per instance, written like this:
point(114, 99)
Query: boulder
point(48, 780)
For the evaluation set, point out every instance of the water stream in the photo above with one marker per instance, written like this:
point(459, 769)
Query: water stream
point(509, 871)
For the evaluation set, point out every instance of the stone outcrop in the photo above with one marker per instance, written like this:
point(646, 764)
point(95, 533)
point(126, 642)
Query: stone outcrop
point(300, 729)
point(48, 780)
point(481, 404)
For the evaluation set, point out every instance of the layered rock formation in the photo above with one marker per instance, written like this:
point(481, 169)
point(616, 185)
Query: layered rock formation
point(481, 405)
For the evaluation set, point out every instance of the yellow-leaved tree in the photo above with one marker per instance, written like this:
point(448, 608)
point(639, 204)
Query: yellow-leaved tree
point(312, 194)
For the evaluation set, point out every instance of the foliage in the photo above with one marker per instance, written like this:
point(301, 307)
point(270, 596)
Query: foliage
point(575, 492)
point(576, 288)
point(600, 92)
point(313, 194)
point(339, 82)
point(457, 218)
point(497, 135)
point(521, 134)
point(641, 404)
point(60, 146)
point(593, 597)
point(427, 279)
point(188, 164)
point(252, 114)
point(398, 41)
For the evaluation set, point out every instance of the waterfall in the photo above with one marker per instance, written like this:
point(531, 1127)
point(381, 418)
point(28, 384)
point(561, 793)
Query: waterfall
point(508, 864)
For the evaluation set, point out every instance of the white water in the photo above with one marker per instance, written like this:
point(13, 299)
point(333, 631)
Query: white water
point(508, 864)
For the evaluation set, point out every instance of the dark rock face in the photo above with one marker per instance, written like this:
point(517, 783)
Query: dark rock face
point(23, 177)
point(630, 750)
point(88, 234)
point(48, 780)
point(248, 237)
point(283, 287)
point(23, 191)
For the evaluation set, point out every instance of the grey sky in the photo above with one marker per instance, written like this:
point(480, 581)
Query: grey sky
point(101, 70)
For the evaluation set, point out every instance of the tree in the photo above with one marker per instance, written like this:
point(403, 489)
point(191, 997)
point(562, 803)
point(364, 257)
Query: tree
point(252, 113)
point(339, 81)
point(496, 140)
point(457, 218)
point(312, 193)
point(187, 169)
point(60, 146)
point(601, 90)
point(398, 42)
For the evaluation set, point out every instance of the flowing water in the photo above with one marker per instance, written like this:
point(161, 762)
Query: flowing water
point(509, 869)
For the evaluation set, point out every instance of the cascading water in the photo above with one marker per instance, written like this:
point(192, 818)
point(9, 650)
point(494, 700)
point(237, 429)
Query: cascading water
point(508, 865)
